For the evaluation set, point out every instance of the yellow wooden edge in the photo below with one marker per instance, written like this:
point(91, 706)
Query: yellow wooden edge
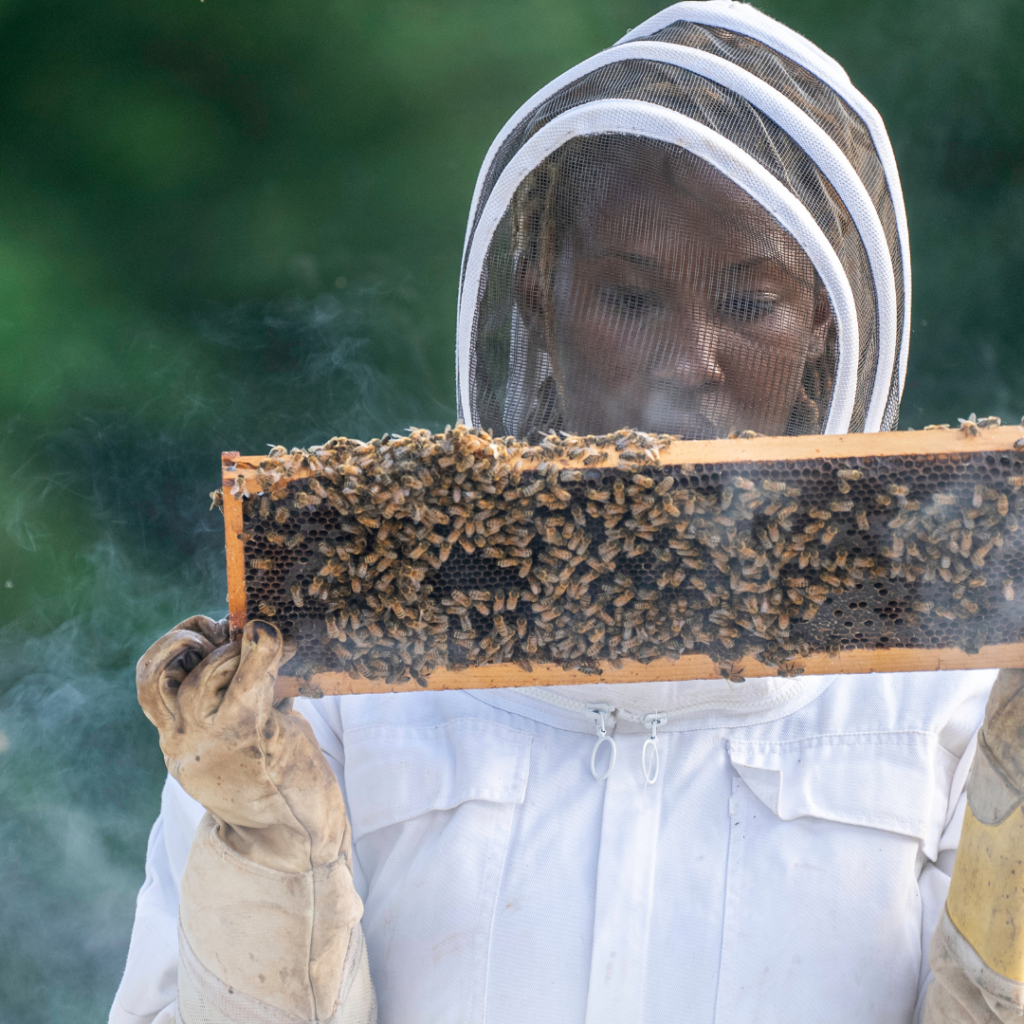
point(233, 545)
point(693, 666)
point(769, 449)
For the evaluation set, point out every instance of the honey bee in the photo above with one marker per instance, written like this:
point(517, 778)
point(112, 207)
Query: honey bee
point(551, 501)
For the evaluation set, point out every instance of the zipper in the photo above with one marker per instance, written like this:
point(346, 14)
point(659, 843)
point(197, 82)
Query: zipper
point(601, 728)
point(605, 716)
point(650, 759)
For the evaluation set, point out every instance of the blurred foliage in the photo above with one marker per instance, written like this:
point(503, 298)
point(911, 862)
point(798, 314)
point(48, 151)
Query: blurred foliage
point(224, 226)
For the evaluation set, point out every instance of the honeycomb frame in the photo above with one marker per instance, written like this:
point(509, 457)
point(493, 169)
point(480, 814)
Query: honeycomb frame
point(457, 560)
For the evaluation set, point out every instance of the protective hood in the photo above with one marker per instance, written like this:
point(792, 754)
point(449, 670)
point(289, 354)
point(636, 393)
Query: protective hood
point(699, 230)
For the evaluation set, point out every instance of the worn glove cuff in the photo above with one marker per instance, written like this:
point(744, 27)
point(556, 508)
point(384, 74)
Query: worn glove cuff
point(279, 938)
point(985, 904)
point(965, 987)
point(204, 999)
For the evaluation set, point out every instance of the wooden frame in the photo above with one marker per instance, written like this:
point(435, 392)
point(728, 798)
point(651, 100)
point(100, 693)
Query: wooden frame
point(928, 442)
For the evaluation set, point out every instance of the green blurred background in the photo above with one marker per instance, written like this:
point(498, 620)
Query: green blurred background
point(225, 225)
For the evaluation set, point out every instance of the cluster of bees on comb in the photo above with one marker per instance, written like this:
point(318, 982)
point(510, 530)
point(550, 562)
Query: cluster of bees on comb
point(391, 558)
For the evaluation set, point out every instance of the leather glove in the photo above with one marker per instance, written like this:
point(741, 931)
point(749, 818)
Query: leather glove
point(978, 951)
point(255, 766)
point(269, 917)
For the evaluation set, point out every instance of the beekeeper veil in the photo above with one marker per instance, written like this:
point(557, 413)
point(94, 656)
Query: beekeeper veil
point(698, 231)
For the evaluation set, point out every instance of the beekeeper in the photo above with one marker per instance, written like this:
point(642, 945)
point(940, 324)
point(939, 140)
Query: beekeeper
point(699, 230)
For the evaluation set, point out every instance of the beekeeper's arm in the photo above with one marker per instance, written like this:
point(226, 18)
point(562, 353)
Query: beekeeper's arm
point(977, 953)
point(269, 918)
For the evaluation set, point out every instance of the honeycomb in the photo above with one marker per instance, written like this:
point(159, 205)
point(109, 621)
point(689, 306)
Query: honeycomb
point(392, 558)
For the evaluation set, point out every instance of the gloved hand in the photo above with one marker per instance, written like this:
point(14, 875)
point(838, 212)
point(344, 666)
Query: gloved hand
point(255, 944)
point(978, 951)
point(256, 766)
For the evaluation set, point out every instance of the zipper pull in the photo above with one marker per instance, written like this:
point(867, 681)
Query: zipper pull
point(650, 759)
point(599, 711)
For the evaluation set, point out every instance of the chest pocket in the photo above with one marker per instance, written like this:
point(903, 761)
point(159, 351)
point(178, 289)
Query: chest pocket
point(432, 809)
point(823, 912)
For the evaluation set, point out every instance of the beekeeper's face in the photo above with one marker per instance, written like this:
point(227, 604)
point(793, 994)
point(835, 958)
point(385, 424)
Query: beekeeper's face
point(679, 305)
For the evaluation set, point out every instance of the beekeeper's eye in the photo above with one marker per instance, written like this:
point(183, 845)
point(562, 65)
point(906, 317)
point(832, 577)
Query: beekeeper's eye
point(627, 301)
point(746, 293)
point(747, 306)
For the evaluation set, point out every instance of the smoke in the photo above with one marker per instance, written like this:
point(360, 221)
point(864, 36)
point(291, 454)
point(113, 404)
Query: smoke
point(80, 776)
point(80, 769)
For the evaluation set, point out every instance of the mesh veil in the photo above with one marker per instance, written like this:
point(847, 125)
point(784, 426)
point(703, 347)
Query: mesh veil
point(691, 233)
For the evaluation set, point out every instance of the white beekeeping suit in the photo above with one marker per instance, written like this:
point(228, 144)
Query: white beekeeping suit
point(700, 230)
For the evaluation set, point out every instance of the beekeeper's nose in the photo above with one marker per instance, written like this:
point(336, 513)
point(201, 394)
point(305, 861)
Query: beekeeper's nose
point(688, 356)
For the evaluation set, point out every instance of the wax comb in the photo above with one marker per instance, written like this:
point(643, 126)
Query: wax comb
point(458, 560)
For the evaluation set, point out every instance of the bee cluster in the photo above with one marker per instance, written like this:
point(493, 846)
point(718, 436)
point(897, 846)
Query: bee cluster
point(392, 558)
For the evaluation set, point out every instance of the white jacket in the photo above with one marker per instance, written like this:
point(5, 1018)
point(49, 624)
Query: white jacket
point(789, 863)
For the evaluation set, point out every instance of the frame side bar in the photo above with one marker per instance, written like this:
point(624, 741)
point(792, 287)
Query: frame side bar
point(234, 546)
